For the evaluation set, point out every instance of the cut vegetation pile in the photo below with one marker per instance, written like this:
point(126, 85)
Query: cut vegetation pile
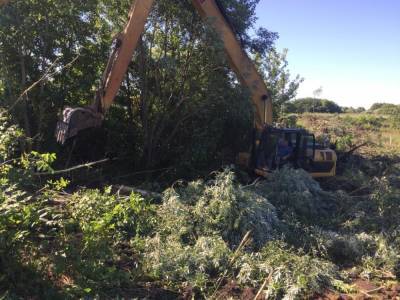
point(284, 238)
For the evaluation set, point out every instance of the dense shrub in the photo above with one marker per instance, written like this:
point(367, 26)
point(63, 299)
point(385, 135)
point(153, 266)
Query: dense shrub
point(385, 108)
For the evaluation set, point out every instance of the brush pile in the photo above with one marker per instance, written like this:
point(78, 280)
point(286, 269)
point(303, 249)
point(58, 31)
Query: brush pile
point(288, 237)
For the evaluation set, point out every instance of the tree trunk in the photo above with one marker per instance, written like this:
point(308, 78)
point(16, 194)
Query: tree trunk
point(24, 105)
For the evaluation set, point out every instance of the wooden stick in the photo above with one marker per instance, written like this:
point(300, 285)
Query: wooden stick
point(242, 244)
point(375, 290)
point(266, 281)
point(352, 150)
point(88, 165)
point(127, 190)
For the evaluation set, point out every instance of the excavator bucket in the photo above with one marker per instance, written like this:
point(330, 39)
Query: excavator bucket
point(76, 119)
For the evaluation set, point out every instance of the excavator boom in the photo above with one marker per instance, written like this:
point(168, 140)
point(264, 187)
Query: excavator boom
point(77, 119)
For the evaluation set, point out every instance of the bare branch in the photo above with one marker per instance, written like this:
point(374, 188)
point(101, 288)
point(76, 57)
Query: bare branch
point(48, 74)
point(88, 165)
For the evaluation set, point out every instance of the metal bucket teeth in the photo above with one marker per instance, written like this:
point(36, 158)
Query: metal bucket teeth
point(74, 120)
point(61, 132)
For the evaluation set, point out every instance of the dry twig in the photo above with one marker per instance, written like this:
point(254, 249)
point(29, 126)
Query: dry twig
point(88, 165)
point(266, 281)
point(48, 74)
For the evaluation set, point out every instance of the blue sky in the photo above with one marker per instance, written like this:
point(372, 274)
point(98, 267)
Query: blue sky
point(349, 47)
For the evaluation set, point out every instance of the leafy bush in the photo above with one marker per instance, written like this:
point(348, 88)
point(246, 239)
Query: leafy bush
point(344, 142)
point(364, 121)
point(106, 214)
point(10, 135)
point(385, 108)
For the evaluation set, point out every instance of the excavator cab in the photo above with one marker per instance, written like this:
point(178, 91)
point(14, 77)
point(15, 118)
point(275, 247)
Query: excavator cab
point(295, 147)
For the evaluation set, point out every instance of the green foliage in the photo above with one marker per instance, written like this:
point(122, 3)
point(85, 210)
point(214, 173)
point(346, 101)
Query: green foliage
point(292, 274)
point(344, 142)
point(281, 86)
point(178, 100)
point(313, 105)
point(364, 121)
point(297, 196)
point(353, 110)
point(176, 263)
point(289, 121)
point(104, 215)
point(179, 106)
point(201, 224)
point(385, 258)
point(10, 135)
point(40, 37)
point(198, 225)
point(221, 207)
point(385, 108)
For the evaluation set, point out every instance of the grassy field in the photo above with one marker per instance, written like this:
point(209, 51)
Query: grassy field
point(381, 132)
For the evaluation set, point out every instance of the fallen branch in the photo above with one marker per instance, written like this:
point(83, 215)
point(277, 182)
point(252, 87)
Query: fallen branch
point(87, 165)
point(144, 172)
point(127, 190)
point(254, 183)
point(359, 189)
point(351, 151)
point(9, 161)
point(266, 281)
point(356, 147)
point(243, 243)
point(375, 290)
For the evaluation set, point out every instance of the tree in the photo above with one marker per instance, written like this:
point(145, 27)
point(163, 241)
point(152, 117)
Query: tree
point(179, 100)
point(313, 105)
point(385, 108)
point(274, 67)
point(37, 37)
point(183, 98)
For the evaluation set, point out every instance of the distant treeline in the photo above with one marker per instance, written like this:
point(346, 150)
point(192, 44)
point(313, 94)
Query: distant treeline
point(318, 105)
point(385, 108)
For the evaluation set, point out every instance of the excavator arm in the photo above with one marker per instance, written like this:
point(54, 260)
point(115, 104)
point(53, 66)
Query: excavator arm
point(77, 119)
point(241, 64)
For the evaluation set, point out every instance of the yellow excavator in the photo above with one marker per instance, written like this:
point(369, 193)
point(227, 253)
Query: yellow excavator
point(265, 154)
